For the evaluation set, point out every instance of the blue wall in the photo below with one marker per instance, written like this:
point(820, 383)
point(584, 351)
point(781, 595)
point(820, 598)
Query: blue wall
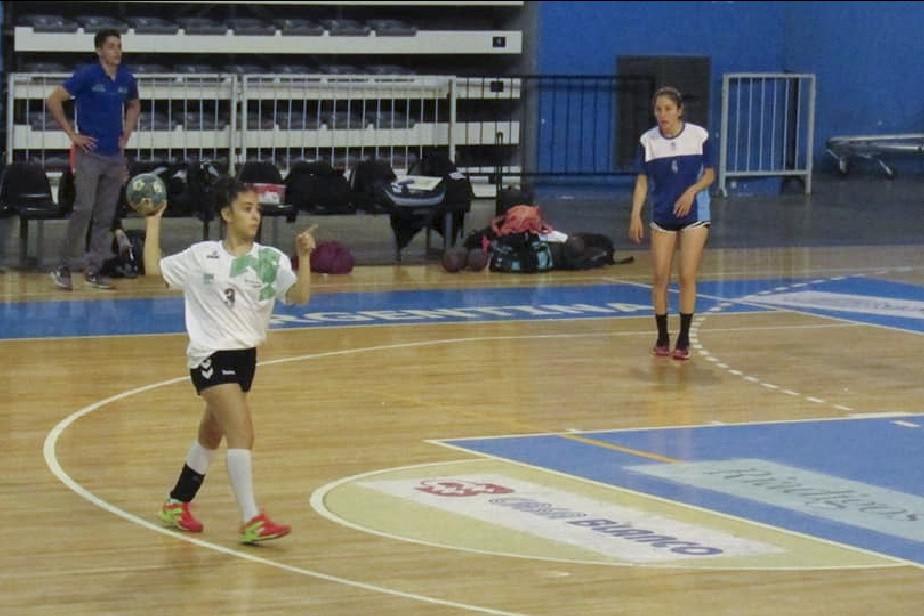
point(865, 55)
point(586, 37)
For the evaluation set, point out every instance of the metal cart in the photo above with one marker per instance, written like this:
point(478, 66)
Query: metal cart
point(873, 147)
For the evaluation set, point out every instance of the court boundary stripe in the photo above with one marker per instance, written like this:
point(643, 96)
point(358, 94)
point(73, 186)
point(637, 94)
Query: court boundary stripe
point(55, 468)
point(55, 295)
point(784, 309)
point(899, 562)
point(48, 449)
point(317, 502)
point(798, 283)
point(273, 330)
point(760, 309)
point(719, 307)
point(853, 417)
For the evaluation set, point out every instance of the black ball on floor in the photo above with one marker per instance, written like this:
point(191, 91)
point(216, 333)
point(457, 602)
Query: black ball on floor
point(477, 259)
point(454, 259)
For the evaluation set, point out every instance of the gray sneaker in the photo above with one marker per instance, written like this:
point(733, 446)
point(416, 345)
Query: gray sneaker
point(62, 278)
point(97, 280)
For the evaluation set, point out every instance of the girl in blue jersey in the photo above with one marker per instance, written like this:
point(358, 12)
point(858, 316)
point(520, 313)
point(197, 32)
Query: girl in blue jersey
point(675, 171)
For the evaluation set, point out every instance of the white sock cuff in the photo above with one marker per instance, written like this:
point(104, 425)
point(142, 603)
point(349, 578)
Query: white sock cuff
point(199, 458)
point(241, 474)
point(239, 454)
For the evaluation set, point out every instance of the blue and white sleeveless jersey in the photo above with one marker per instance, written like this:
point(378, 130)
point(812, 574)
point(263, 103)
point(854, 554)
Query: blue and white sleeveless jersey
point(672, 166)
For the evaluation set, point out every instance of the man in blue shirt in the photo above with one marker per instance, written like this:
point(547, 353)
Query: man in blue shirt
point(107, 108)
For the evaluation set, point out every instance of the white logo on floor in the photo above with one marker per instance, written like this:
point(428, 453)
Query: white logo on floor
point(817, 494)
point(624, 533)
point(842, 302)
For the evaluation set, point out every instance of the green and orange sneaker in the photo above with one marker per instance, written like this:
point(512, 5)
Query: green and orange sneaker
point(176, 514)
point(261, 528)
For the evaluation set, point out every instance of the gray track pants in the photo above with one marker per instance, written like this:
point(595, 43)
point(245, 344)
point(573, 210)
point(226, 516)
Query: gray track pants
point(98, 181)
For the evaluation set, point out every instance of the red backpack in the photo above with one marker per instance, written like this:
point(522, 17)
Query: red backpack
point(521, 219)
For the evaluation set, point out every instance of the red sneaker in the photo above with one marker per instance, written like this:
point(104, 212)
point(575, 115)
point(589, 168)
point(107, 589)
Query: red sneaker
point(176, 514)
point(661, 350)
point(681, 353)
point(261, 528)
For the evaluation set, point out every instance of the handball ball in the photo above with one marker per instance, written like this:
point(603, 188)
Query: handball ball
point(146, 193)
point(477, 259)
point(454, 259)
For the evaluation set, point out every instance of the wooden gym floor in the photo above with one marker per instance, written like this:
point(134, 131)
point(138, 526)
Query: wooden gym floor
point(439, 443)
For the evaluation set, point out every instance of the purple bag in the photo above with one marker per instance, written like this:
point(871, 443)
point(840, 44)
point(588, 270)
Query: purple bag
point(331, 257)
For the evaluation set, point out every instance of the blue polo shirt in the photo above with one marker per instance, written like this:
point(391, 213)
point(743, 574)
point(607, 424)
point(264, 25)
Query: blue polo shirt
point(672, 165)
point(99, 102)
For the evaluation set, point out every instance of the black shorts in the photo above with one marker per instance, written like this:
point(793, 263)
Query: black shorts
point(225, 367)
point(681, 227)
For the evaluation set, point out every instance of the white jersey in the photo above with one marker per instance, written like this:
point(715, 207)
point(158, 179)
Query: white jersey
point(229, 299)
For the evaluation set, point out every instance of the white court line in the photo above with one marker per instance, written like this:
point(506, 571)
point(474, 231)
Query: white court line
point(344, 287)
point(288, 325)
point(710, 424)
point(51, 460)
point(881, 414)
point(317, 502)
point(898, 562)
point(721, 274)
point(764, 308)
point(57, 471)
point(725, 302)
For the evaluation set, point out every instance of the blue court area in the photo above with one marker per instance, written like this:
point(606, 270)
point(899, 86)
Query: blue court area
point(855, 481)
point(858, 299)
point(165, 315)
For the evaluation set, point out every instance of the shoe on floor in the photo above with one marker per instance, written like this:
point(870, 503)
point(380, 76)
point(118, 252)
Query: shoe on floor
point(62, 278)
point(661, 350)
point(176, 514)
point(261, 528)
point(98, 281)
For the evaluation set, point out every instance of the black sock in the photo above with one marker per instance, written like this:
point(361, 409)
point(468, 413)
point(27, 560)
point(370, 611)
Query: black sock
point(187, 485)
point(663, 338)
point(683, 340)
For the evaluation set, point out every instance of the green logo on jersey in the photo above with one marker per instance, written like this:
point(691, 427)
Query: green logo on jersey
point(265, 265)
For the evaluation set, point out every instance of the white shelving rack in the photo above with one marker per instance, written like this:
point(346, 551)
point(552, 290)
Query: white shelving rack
point(477, 42)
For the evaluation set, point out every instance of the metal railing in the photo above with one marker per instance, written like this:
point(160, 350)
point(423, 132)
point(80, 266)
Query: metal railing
point(526, 126)
point(182, 117)
point(768, 127)
point(344, 118)
point(557, 125)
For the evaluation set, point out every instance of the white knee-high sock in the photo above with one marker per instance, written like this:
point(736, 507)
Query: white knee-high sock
point(199, 458)
point(240, 470)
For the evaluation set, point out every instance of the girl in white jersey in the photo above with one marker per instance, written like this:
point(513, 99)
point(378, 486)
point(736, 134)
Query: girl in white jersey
point(230, 288)
point(676, 164)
